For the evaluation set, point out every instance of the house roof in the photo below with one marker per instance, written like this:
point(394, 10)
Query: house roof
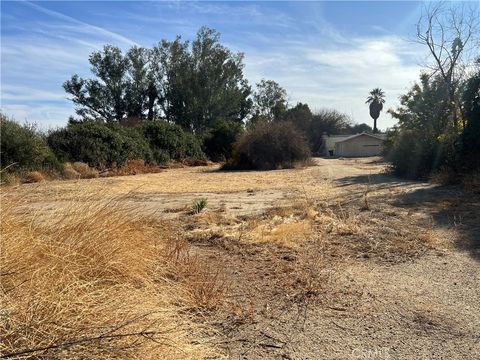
point(362, 134)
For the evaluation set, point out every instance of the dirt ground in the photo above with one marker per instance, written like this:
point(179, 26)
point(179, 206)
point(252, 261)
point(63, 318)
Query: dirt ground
point(334, 261)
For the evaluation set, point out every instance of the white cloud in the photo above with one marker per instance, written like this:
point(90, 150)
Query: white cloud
point(329, 75)
point(83, 26)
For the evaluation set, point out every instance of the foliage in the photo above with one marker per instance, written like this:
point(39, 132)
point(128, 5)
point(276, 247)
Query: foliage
point(314, 125)
point(413, 153)
point(301, 116)
point(219, 144)
point(193, 85)
point(170, 141)
point(122, 87)
point(202, 83)
point(23, 147)
point(270, 146)
point(375, 102)
point(469, 148)
point(422, 141)
point(361, 128)
point(270, 102)
point(198, 205)
point(97, 144)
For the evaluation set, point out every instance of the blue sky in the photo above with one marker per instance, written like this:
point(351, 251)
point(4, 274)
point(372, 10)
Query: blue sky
point(327, 54)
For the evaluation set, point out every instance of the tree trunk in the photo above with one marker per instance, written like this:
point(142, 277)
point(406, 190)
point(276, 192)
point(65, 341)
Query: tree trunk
point(375, 130)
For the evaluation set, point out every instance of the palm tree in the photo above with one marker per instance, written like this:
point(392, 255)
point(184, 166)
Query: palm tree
point(376, 101)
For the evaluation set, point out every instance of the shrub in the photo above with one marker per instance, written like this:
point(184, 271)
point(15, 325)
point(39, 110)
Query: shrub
point(198, 205)
point(169, 141)
point(413, 153)
point(23, 147)
point(219, 144)
point(97, 144)
point(270, 146)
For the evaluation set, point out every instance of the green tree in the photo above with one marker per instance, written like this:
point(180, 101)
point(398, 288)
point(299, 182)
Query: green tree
point(103, 97)
point(200, 83)
point(269, 102)
point(361, 128)
point(193, 85)
point(300, 115)
point(423, 139)
point(375, 101)
point(141, 92)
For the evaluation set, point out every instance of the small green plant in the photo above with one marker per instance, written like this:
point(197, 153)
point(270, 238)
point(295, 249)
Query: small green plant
point(198, 205)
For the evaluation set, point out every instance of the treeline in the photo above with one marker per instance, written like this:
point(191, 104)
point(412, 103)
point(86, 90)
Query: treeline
point(176, 100)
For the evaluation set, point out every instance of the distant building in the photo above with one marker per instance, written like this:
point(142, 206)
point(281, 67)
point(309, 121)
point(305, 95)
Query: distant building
point(353, 145)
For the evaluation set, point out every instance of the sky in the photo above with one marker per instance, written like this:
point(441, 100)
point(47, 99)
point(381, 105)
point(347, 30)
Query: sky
point(327, 54)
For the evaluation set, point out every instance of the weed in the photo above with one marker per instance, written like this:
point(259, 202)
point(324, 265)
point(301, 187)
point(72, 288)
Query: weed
point(198, 205)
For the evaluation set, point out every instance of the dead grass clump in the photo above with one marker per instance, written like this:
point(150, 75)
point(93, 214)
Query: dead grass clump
point(133, 167)
point(204, 283)
point(85, 171)
point(69, 172)
point(33, 177)
point(340, 222)
point(88, 281)
point(10, 179)
point(194, 161)
point(289, 234)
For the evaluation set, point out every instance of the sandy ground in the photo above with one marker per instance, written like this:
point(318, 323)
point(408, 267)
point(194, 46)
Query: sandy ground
point(364, 299)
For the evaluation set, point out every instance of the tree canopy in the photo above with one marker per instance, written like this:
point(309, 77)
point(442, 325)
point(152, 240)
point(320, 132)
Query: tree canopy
point(194, 85)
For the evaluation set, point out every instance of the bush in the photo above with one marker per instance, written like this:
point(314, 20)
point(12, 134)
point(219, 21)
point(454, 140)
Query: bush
point(270, 146)
point(219, 144)
point(169, 141)
point(23, 147)
point(413, 153)
point(98, 144)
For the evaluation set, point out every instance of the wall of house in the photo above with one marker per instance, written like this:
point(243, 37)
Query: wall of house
point(359, 146)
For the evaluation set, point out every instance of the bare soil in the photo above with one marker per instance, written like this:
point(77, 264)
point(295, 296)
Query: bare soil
point(387, 269)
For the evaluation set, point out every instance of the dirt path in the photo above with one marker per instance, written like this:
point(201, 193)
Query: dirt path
point(418, 306)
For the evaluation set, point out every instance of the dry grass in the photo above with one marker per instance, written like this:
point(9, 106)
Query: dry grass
point(290, 234)
point(133, 167)
point(91, 280)
point(33, 177)
point(69, 173)
point(85, 171)
point(10, 179)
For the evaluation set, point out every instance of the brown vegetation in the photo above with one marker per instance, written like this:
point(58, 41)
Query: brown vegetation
point(91, 280)
point(275, 263)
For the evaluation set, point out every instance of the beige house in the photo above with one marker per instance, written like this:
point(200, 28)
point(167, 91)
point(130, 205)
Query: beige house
point(353, 145)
